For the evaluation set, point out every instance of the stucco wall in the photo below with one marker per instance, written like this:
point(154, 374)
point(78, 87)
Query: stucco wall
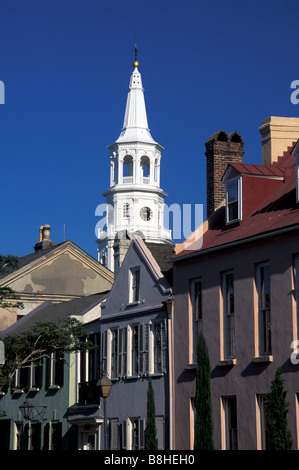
point(246, 378)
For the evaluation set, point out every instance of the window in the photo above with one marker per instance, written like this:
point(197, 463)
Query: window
point(114, 434)
point(228, 315)
point(135, 339)
point(262, 431)
point(55, 367)
point(29, 377)
point(32, 436)
point(196, 306)
point(160, 347)
point(135, 285)
point(114, 353)
point(122, 352)
point(229, 405)
point(135, 350)
point(233, 200)
point(53, 436)
point(264, 309)
point(128, 169)
point(118, 341)
point(135, 434)
point(126, 211)
point(160, 432)
point(145, 169)
point(296, 295)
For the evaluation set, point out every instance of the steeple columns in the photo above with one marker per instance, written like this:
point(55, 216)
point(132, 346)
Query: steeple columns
point(135, 166)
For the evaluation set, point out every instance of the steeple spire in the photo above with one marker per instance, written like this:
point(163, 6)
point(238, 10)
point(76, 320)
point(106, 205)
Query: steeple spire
point(135, 125)
point(135, 200)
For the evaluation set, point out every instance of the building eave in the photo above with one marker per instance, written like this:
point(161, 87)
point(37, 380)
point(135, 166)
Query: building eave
point(243, 241)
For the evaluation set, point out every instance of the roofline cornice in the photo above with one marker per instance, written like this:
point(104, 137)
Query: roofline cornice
point(236, 243)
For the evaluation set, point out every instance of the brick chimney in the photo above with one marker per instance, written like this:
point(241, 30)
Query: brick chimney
point(44, 238)
point(221, 149)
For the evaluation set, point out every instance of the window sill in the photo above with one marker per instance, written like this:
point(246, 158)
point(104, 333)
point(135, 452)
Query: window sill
point(191, 366)
point(33, 389)
point(266, 358)
point(139, 376)
point(18, 391)
point(133, 304)
point(232, 361)
point(54, 387)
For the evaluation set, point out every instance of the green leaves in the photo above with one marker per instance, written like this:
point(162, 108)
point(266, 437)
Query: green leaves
point(203, 403)
point(276, 412)
point(40, 341)
point(8, 298)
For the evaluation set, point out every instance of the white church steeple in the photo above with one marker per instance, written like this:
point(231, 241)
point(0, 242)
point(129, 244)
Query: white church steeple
point(135, 127)
point(135, 201)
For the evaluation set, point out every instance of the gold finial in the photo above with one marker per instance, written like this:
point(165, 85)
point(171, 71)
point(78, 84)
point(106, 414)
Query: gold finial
point(135, 63)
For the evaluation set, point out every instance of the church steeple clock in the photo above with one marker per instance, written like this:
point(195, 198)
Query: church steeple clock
point(135, 201)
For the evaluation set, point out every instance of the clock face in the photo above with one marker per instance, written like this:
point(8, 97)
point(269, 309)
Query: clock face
point(146, 213)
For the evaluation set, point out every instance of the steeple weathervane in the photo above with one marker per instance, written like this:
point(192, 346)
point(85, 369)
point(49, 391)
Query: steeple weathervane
point(135, 63)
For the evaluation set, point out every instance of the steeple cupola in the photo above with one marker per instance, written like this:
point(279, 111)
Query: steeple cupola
point(135, 201)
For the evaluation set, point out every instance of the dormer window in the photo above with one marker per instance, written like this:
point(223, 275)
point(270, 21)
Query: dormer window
point(233, 200)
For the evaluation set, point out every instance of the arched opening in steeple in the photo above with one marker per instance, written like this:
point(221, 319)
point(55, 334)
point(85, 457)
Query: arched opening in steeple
point(145, 168)
point(128, 169)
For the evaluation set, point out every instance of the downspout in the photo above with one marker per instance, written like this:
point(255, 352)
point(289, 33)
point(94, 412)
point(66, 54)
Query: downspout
point(170, 310)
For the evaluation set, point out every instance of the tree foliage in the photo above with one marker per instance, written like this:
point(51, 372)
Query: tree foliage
point(8, 297)
point(151, 440)
point(276, 413)
point(203, 439)
point(40, 341)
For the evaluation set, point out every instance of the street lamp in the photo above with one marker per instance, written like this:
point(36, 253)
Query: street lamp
point(105, 386)
point(26, 410)
point(169, 305)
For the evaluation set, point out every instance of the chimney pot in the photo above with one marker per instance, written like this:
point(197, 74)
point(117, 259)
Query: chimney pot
point(44, 238)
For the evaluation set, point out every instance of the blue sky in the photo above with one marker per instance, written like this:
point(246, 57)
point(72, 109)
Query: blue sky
point(205, 65)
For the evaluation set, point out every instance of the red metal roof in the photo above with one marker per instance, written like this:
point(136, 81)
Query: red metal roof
point(279, 210)
point(257, 170)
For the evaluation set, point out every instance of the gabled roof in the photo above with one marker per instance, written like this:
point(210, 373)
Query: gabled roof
point(27, 262)
point(54, 313)
point(154, 286)
point(278, 211)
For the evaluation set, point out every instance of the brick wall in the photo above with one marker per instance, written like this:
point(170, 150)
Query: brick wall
point(221, 149)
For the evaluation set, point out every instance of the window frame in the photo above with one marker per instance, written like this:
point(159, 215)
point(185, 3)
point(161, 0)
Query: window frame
point(32, 380)
point(296, 296)
point(262, 431)
point(126, 211)
point(55, 370)
point(229, 432)
point(134, 285)
point(196, 315)
point(263, 313)
point(229, 319)
point(237, 179)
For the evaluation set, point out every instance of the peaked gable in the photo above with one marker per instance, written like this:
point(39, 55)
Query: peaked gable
point(153, 286)
point(59, 274)
point(66, 270)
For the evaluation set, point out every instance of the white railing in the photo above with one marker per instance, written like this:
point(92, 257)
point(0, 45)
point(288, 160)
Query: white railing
point(127, 179)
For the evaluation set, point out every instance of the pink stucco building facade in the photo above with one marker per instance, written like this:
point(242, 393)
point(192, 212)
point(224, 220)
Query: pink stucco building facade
point(240, 288)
